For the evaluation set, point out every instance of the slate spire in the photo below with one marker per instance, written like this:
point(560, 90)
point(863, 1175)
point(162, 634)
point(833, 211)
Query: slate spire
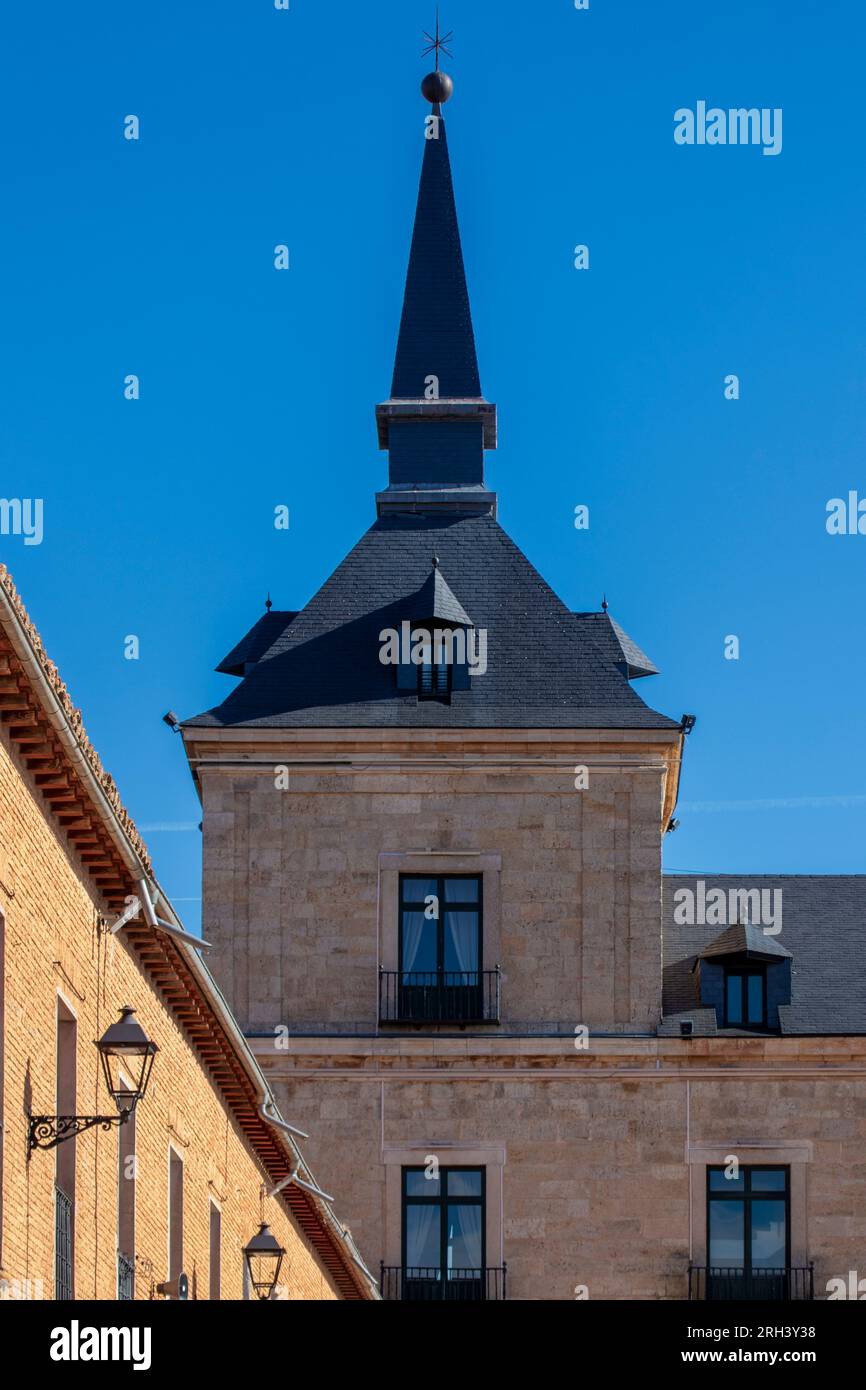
point(436, 337)
point(436, 424)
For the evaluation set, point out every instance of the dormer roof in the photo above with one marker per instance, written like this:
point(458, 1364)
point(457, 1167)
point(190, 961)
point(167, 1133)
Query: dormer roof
point(610, 638)
point(435, 603)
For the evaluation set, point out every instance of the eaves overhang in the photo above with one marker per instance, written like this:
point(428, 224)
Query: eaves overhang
point(171, 961)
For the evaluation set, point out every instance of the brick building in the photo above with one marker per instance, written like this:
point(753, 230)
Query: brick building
point(183, 1185)
point(443, 874)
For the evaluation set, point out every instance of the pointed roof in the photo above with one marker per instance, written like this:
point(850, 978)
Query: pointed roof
point(545, 666)
point(744, 939)
point(610, 638)
point(253, 646)
point(435, 602)
point(436, 423)
point(436, 336)
point(544, 670)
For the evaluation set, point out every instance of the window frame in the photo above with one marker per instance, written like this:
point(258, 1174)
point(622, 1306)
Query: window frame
point(436, 692)
point(742, 972)
point(442, 1202)
point(437, 669)
point(439, 880)
point(746, 1196)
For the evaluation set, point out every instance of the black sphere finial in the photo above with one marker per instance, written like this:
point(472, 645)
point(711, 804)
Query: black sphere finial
point(437, 88)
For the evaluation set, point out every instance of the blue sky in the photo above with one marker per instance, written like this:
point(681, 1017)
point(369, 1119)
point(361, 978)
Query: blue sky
point(261, 127)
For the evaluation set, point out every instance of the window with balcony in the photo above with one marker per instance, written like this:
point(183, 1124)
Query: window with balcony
point(439, 977)
point(443, 1238)
point(749, 1238)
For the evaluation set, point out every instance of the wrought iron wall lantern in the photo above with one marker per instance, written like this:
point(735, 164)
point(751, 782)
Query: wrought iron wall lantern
point(264, 1257)
point(123, 1044)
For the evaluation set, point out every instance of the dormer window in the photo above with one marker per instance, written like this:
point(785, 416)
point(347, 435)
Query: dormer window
point(745, 976)
point(746, 998)
point(434, 679)
point(432, 641)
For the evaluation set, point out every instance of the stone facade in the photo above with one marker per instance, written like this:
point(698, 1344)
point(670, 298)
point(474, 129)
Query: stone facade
point(598, 1158)
point(595, 1150)
point(300, 883)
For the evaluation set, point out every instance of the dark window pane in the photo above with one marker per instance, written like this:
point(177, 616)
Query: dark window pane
point(769, 1179)
point(419, 937)
point(756, 998)
point(464, 1183)
point(768, 1233)
point(726, 1222)
point(735, 998)
point(720, 1183)
point(461, 890)
point(415, 890)
point(425, 679)
point(418, 1184)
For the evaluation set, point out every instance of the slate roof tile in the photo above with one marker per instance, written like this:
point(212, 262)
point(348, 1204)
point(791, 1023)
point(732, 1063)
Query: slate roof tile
point(823, 927)
point(544, 670)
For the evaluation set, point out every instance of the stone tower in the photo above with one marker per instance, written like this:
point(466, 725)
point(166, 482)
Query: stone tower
point(433, 811)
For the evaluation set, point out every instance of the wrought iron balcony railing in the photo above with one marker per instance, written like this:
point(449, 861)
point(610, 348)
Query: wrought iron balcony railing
point(125, 1278)
point(429, 1284)
point(439, 996)
point(726, 1283)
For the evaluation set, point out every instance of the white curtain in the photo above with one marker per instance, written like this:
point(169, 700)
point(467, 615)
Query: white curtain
point(413, 930)
point(464, 1236)
point(462, 935)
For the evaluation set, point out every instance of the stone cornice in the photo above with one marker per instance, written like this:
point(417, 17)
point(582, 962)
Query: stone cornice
point(533, 752)
point(542, 1058)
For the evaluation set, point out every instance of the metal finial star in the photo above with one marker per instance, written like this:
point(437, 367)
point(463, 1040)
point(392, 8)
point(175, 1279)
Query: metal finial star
point(438, 43)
